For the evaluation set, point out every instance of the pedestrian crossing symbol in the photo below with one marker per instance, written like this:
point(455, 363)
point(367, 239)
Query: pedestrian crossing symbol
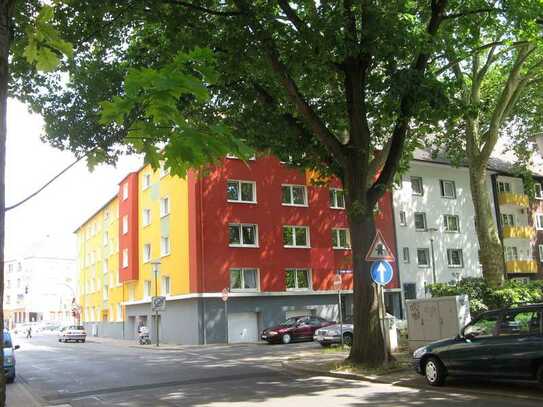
point(379, 250)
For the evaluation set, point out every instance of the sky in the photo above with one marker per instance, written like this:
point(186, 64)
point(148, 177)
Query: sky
point(50, 218)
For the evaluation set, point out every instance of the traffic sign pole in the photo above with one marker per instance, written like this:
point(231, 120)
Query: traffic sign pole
point(225, 293)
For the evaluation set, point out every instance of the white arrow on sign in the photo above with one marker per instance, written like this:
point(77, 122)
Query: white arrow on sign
point(381, 269)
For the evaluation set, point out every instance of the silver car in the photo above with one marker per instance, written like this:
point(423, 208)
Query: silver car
point(74, 333)
point(332, 334)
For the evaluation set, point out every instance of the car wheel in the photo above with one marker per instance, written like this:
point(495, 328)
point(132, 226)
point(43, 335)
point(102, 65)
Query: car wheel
point(10, 379)
point(82, 340)
point(434, 372)
point(286, 338)
point(60, 340)
point(348, 339)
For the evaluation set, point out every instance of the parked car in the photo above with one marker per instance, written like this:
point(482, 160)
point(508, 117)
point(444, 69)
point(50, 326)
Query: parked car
point(9, 357)
point(332, 334)
point(504, 344)
point(74, 333)
point(294, 329)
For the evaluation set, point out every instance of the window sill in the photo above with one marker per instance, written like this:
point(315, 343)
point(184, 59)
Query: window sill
point(165, 215)
point(423, 266)
point(451, 231)
point(245, 246)
point(244, 290)
point(299, 289)
point(295, 205)
point(165, 254)
point(421, 230)
point(242, 202)
point(414, 194)
point(297, 247)
point(455, 267)
point(341, 248)
point(448, 197)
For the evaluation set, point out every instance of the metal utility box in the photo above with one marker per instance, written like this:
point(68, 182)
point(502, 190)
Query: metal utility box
point(437, 318)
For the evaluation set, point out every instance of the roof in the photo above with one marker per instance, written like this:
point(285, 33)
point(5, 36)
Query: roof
point(96, 212)
point(494, 163)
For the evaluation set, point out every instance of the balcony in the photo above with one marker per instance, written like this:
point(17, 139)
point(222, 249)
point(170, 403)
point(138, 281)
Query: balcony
point(510, 198)
point(518, 232)
point(521, 266)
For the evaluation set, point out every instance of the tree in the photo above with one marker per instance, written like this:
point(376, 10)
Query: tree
point(339, 87)
point(492, 68)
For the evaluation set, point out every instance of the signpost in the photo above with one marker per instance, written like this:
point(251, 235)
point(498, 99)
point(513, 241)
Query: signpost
point(381, 273)
point(225, 293)
point(337, 286)
point(161, 303)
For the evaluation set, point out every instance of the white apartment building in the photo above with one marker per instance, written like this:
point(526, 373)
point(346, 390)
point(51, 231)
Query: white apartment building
point(38, 288)
point(435, 231)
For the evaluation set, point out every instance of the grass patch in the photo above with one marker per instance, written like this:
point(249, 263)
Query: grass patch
point(335, 349)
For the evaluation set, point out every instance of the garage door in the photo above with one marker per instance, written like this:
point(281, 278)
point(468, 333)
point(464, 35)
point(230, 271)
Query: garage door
point(242, 327)
point(298, 313)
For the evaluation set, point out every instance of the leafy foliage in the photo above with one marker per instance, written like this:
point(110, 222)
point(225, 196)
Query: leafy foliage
point(483, 298)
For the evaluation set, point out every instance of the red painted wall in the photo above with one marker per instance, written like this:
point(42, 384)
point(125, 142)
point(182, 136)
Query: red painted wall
point(215, 257)
point(130, 240)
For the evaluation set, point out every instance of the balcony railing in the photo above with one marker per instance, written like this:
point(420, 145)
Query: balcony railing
point(518, 232)
point(510, 198)
point(521, 266)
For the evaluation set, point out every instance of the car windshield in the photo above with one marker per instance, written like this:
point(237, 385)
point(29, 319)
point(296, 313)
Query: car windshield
point(7, 340)
point(290, 321)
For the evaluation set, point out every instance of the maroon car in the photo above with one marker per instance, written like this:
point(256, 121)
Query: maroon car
point(295, 329)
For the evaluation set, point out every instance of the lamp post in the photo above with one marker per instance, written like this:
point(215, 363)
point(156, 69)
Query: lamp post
point(432, 230)
point(156, 265)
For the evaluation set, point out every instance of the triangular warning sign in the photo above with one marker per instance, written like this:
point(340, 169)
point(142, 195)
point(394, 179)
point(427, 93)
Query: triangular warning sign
point(379, 250)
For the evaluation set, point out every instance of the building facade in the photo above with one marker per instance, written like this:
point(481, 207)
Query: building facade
point(39, 288)
point(260, 229)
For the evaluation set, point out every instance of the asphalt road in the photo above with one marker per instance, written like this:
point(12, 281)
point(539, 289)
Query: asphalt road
point(105, 374)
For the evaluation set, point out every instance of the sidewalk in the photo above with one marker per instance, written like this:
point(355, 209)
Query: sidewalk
point(325, 364)
point(18, 395)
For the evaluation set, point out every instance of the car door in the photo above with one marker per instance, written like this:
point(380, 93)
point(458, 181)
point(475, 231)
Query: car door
point(473, 353)
point(521, 342)
point(302, 330)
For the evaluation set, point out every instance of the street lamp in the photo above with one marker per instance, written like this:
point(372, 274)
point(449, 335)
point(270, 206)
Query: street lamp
point(156, 266)
point(432, 230)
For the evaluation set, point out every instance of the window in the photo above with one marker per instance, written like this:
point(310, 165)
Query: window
point(420, 221)
point(337, 198)
point(295, 236)
point(423, 257)
point(164, 245)
point(511, 253)
point(241, 191)
point(125, 258)
point(131, 294)
point(508, 219)
point(417, 187)
point(147, 252)
point(538, 192)
point(540, 247)
point(164, 206)
point(125, 191)
point(341, 239)
point(165, 289)
point(484, 326)
point(410, 291)
point(147, 288)
point(403, 219)
point(243, 235)
point(163, 171)
point(448, 189)
point(451, 223)
point(504, 186)
point(539, 221)
point(406, 254)
point(454, 258)
point(295, 195)
point(125, 224)
point(519, 323)
point(105, 267)
point(243, 279)
point(298, 279)
point(105, 292)
point(106, 238)
point(146, 181)
point(146, 217)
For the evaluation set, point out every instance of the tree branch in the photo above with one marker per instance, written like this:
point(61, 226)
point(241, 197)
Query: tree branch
point(202, 9)
point(471, 12)
point(312, 120)
point(402, 124)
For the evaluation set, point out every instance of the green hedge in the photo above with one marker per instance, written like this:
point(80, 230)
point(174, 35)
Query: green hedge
point(483, 298)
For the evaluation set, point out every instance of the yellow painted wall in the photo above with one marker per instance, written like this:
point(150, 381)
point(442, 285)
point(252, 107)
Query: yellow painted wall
point(176, 264)
point(98, 243)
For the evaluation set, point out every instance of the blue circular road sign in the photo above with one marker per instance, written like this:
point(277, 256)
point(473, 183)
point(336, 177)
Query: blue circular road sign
point(381, 272)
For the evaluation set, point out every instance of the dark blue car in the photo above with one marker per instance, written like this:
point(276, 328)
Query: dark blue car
point(9, 357)
point(503, 344)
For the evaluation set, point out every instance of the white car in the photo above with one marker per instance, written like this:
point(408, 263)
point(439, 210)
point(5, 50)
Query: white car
point(74, 333)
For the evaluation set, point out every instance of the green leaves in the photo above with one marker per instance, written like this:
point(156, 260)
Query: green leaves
point(45, 47)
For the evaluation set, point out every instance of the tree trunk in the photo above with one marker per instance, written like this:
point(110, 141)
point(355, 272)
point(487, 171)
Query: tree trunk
point(490, 247)
point(368, 339)
point(5, 17)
